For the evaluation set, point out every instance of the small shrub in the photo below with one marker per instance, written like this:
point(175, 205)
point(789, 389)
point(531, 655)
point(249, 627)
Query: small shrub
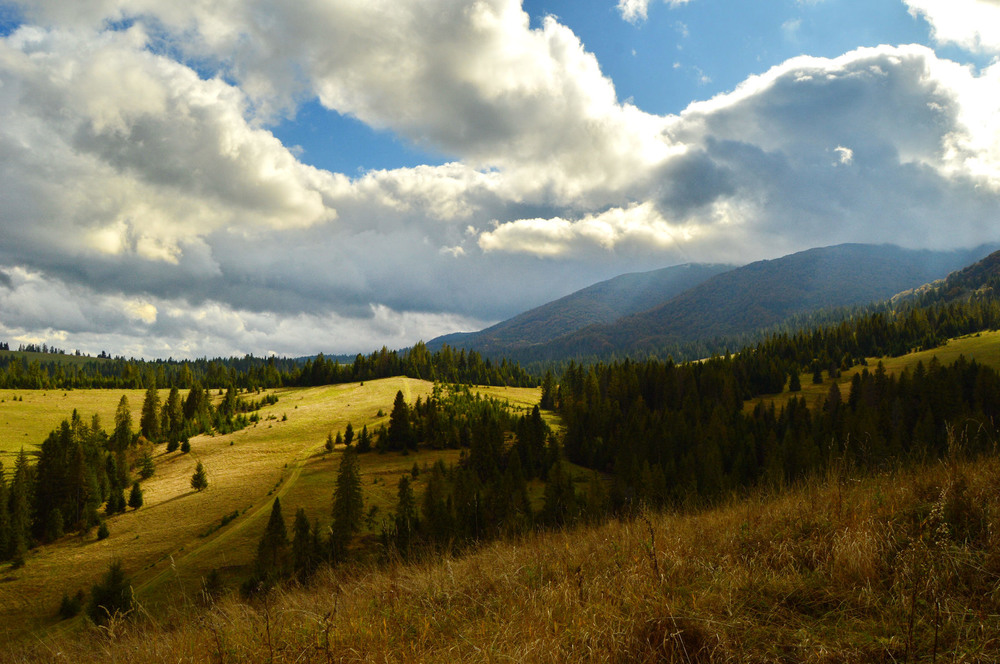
point(185, 447)
point(102, 531)
point(71, 606)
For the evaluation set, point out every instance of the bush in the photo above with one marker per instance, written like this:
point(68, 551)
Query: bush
point(186, 446)
point(102, 531)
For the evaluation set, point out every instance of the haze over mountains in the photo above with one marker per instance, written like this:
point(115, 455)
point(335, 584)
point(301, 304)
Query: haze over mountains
point(652, 311)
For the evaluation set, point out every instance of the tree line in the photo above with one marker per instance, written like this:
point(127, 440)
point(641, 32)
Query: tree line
point(18, 371)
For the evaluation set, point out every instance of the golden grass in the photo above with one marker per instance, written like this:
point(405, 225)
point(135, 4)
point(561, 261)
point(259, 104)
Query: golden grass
point(27, 416)
point(161, 544)
point(834, 571)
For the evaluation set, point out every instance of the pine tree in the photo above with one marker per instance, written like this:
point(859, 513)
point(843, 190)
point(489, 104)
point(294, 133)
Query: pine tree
point(146, 467)
point(173, 416)
point(348, 434)
point(304, 552)
point(400, 435)
point(112, 596)
point(347, 500)
point(364, 440)
point(406, 515)
point(135, 496)
point(149, 422)
point(4, 517)
point(122, 437)
point(20, 510)
point(199, 480)
point(272, 551)
point(329, 442)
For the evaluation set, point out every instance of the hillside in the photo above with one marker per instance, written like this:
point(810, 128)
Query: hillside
point(601, 303)
point(896, 567)
point(763, 294)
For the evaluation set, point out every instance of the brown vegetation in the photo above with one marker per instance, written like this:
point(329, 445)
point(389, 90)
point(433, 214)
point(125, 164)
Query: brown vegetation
point(899, 567)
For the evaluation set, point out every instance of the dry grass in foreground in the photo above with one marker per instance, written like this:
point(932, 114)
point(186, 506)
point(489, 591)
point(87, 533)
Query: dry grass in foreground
point(901, 567)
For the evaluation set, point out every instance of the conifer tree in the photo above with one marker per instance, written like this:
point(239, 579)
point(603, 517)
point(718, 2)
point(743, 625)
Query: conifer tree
point(149, 422)
point(4, 517)
point(112, 596)
point(348, 434)
point(173, 416)
point(347, 500)
point(199, 481)
point(122, 437)
point(20, 510)
point(400, 434)
point(329, 442)
point(272, 551)
point(364, 440)
point(135, 496)
point(303, 545)
point(406, 515)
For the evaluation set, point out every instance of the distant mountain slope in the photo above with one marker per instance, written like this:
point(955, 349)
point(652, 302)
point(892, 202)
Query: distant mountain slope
point(603, 302)
point(763, 294)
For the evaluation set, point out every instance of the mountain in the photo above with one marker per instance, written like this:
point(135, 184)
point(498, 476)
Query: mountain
point(602, 303)
point(739, 302)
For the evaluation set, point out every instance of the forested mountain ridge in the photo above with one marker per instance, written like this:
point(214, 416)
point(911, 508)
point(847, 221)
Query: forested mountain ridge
point(601, 303)
point(761, 295)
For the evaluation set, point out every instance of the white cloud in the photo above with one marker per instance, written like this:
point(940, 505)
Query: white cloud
point(147, 205)
point(637, 226)
point(971, 24)
point(633, 11)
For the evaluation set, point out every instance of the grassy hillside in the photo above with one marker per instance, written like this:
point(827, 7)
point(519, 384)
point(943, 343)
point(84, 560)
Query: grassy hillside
point(175, 538)
point(899, 567)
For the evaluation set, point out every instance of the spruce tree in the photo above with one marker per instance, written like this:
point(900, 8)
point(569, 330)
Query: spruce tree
point(199, 480)
point(303, 545)
point(20, 510)
point(347, 500)
point(135, 496)
point(364, 440)
point(173, 416)
point(4, 517)
point(112, 596)
point(400, 434)
point(348, 434)
point(149, 422)
point(272, 551)
point(122, 436)
point(406, 515)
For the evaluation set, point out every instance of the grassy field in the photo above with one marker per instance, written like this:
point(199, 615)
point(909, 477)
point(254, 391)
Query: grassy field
point(983, 347)
point(174, 539)
point(27, 416)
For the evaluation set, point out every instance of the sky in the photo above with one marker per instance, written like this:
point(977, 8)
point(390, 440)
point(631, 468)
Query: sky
point(222, 177)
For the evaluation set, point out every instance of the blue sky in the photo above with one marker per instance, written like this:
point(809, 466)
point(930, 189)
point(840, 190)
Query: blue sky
point(232, 176)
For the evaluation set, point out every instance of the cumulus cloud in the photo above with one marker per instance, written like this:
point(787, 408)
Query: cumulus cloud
point(145, 200)
point(636, 11)
point(971, 24)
